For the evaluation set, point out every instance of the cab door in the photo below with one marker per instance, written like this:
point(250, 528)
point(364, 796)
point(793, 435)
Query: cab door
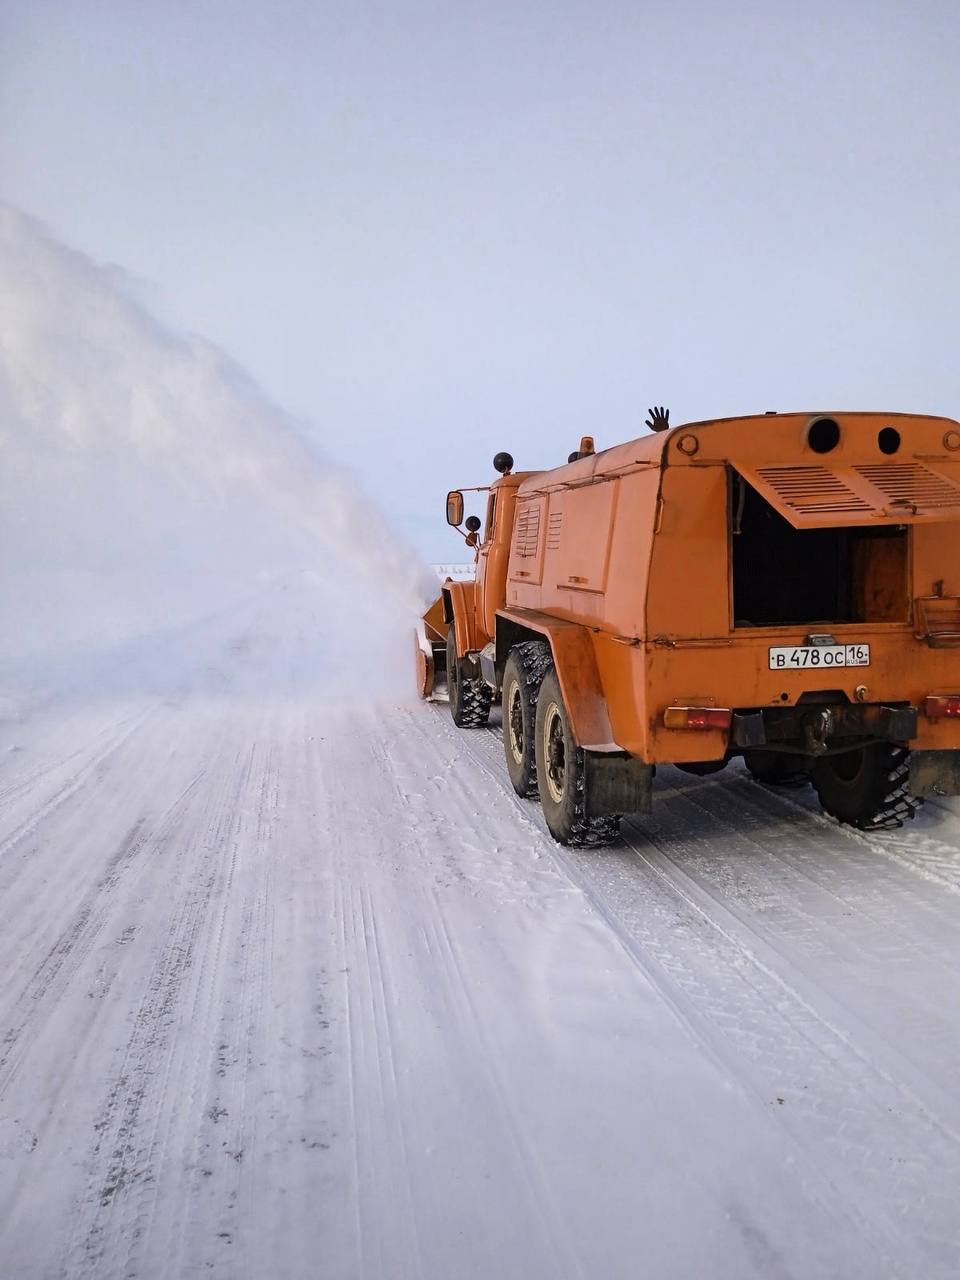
point(494, 556)
point(484, 613)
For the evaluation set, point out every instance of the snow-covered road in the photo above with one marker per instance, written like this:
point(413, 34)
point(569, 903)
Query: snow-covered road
point(294, 986)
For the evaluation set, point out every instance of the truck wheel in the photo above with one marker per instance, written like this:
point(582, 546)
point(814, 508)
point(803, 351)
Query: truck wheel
point(560, 774)
point(777, 768)
point(470, 697)
point(522, 677)
point(866, 788)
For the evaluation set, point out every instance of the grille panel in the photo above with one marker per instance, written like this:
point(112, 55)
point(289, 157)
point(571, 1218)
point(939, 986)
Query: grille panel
point(812, 489)
point(911, 484)
point(554, 525)
point(527, 533)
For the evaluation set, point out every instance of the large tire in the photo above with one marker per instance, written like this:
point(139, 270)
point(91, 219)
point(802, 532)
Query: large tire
point(777, 768)
point(560, 774)
point(522, 677)
point(866, 788)
point(470, 697)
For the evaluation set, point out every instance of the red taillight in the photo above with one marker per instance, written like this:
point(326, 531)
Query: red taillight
point(942, 706)
point(697, 717)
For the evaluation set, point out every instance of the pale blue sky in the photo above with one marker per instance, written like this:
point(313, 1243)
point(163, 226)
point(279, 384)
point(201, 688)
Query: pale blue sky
point(438, 230)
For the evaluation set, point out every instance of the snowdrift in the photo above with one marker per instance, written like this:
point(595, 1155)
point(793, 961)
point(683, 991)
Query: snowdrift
point(149, 491)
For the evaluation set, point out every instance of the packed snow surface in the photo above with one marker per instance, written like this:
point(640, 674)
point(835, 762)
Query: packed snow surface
point(293, 985)
point(296, 986)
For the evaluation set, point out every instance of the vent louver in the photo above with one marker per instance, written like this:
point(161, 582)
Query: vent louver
point(911, 485)
point(554, 525)
point(527, 533)
point(812, 489)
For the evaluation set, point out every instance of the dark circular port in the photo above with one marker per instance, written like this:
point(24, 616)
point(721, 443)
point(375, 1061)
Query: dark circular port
point(888, 438)
point(823, 435)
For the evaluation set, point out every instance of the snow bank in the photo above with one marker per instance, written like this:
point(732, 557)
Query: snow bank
point(147, 486)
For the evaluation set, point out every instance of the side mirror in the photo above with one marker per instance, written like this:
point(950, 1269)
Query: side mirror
point(455, 508)
point(473, 524)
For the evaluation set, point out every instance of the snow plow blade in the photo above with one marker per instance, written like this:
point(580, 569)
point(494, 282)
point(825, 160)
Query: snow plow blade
point(431, 653)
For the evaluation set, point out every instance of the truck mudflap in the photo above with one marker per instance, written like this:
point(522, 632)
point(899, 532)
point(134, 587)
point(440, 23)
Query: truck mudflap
point(616, 783)
point(934, 773)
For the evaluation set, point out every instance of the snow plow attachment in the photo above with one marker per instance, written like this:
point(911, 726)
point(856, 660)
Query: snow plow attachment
point(431, 653)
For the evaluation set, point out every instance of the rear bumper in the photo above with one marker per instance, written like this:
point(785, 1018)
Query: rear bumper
point(815, 729)
point(735, 673)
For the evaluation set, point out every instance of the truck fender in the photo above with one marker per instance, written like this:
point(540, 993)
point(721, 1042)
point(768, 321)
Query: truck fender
point(576, 665)
point(460, 608)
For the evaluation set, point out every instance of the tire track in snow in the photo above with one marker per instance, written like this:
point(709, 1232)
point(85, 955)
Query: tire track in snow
point(564, 1259)
point(218, 1162)
point(75, 783)
point(822, 868)
point(378, 1000)
point(556, 1241)
point(908, 848)
point(58, 966)
point(57, 970)
point(31, 778)
point(385, 1116)
point(390, 1244)
point(187, 1068)
point(883, 1141)
point(360, 1176)
point(833, 913)
point(128, 1151)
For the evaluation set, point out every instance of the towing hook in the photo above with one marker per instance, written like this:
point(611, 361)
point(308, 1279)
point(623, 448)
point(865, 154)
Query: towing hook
point(816, 730)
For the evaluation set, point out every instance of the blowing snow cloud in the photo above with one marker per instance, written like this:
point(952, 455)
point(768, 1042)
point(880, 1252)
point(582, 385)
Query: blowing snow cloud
point(146, 482)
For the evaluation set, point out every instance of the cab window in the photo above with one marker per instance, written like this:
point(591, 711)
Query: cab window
point(491, 517)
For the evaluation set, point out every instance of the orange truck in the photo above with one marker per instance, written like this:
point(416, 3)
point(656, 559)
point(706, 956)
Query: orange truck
point(781, 587)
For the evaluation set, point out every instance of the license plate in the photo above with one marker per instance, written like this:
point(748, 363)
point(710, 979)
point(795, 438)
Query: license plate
point(808, 657)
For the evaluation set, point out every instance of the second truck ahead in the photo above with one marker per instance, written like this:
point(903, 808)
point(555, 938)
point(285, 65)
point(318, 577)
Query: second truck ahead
point(785, 588)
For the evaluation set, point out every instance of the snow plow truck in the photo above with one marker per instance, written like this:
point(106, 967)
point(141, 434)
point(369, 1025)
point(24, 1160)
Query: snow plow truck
point(783, 588)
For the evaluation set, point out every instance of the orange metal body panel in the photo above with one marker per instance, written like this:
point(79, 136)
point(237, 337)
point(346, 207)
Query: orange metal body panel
point(634, 546)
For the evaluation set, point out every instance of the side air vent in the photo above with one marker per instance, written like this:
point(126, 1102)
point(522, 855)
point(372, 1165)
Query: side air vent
point(528, 532)
point(554, 525)
point(812, 489)
point(909, 484)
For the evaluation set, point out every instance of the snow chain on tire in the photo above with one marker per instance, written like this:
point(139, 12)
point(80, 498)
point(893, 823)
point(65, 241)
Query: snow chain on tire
point(470, 697)
point(475, 699)
point(590, 833)
point(575, 828)
point(533, 659)
point(595, 833)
